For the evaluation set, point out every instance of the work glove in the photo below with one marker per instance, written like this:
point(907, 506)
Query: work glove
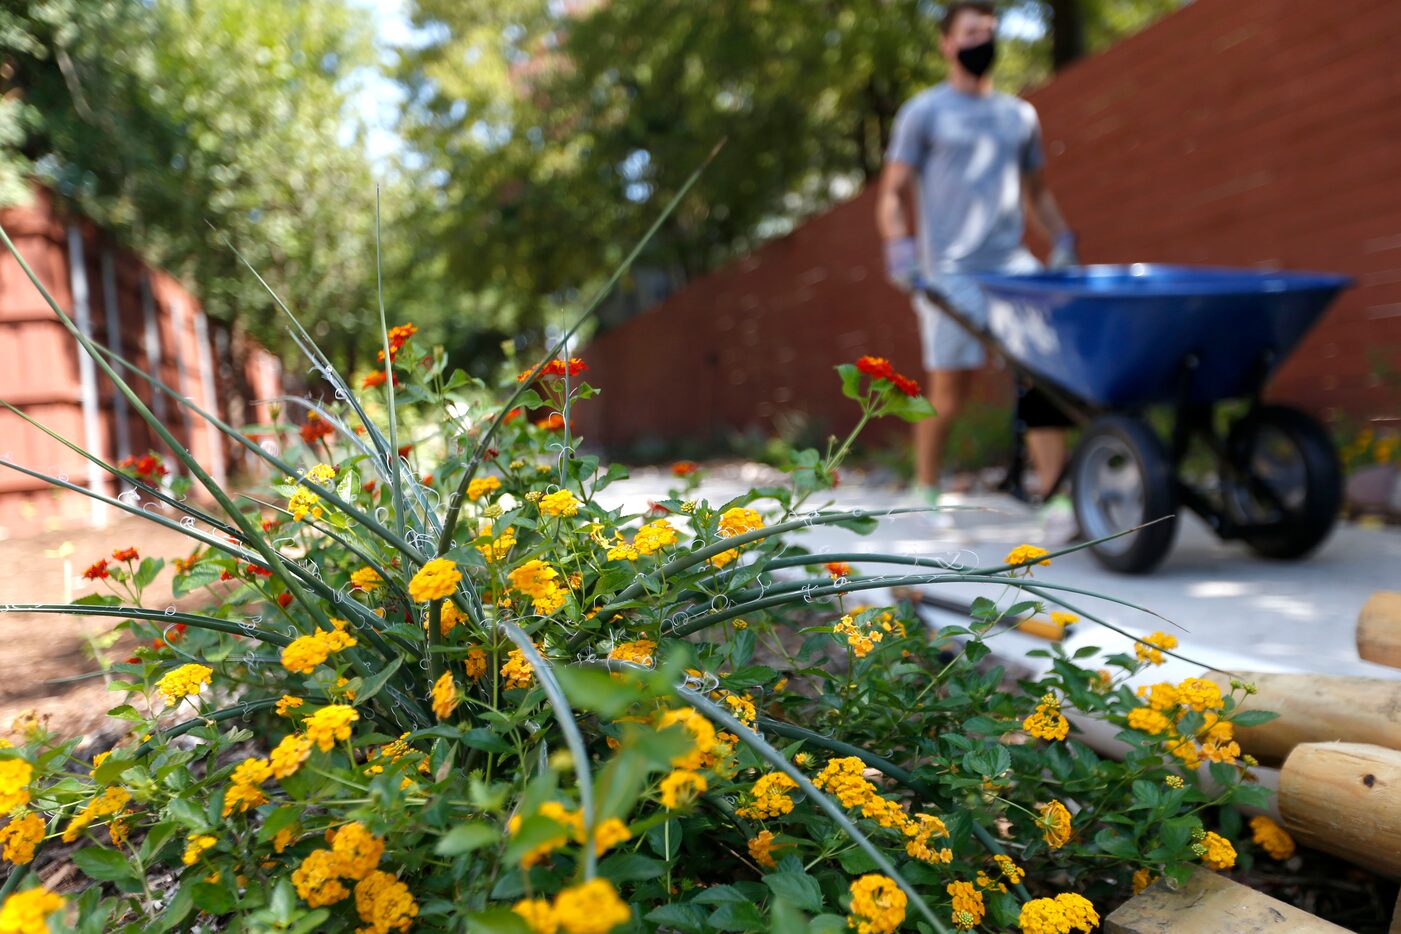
point(901, 262)
point(1063, 254)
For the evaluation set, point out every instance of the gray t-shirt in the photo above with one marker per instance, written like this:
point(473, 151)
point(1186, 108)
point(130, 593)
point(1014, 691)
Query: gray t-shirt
point(969, 152)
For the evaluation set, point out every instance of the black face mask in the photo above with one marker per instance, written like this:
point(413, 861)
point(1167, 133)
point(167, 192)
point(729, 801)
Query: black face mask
point(977, 59)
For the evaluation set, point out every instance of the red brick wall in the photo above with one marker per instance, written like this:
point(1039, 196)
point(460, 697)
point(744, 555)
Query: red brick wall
point(39, 367)
point(1233, 132)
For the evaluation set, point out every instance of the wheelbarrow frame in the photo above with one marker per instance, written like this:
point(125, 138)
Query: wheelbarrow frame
point(1190, 420)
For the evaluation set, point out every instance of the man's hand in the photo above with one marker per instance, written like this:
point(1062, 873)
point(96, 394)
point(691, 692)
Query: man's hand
point(1063, 254)
point(901, 262)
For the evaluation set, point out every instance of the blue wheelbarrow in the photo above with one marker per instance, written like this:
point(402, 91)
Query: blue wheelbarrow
point(1104, 343)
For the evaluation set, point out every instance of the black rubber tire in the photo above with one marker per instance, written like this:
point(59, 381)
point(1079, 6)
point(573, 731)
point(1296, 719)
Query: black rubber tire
point(1313, 508)
point(1133, 445)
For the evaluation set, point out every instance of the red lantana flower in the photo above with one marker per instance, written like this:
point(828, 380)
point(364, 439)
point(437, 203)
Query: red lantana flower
point(125, 554)
point(284, 600)
point(376, 378)
point(906, 385)
point(877, 367)
point(838, 569)
point(880, 368)
point(684, 468)
point(315, 428)
point(98, 571)
point(556, 367)
point(555, 422)
point(148, 468)
point(398, 336)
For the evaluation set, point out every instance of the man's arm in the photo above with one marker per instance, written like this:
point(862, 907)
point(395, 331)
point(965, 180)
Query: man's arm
point(893, 198)
point(1041, 205)
point(1046, 216)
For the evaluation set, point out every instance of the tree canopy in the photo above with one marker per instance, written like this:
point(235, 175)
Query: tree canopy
point(538, 138)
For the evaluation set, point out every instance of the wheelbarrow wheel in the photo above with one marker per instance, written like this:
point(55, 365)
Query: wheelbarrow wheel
point(1288, 505)
point(1121, 478)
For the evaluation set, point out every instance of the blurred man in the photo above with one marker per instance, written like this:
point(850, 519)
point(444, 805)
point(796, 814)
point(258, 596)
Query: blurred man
point(969, 158)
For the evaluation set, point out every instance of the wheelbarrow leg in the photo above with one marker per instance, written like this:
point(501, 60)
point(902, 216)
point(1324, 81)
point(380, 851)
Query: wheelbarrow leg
point(1016, 468)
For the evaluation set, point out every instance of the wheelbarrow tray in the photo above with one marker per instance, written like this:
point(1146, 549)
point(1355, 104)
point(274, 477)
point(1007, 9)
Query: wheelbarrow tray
point(1122, 337)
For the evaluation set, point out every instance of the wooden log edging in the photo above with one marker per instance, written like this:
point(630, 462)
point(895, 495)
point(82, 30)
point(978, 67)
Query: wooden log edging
point(1345, 799)
point(1379, 629)
point(1208, 903)
point(1316, 709)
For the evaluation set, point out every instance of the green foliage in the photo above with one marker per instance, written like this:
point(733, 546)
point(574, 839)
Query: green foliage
point(542, 130)
point(179, 124)
point(488, 699)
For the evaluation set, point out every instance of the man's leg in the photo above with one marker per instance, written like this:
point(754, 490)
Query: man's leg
point(1046, 446)
point(947, 391)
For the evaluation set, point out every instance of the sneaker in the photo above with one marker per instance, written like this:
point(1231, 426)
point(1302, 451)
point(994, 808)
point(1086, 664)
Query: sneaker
point(1057, 520)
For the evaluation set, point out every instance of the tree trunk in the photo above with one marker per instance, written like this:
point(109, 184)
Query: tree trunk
point(1067, 32)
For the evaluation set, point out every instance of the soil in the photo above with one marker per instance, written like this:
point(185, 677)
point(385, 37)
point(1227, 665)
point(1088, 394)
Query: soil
point(47, 663)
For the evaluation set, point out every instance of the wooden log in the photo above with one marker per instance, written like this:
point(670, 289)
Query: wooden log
point(1316, 709)
point(1208, 903)
point(1345, 799)
point(1379, 629)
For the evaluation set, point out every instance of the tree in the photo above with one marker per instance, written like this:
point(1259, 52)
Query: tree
point(179, 123)
point(551, 133)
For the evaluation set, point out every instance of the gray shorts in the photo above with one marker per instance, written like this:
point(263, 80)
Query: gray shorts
point(946, 345)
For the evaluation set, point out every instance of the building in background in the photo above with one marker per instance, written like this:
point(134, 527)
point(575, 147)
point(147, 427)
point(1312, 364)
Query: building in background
point(1251, 133)
point(142, 314)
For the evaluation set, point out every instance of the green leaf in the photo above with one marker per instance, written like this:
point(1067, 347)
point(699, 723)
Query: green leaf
point(742, 647)
point(1250, 796)
point(631, 867)
point(534, 831)
point(736, 916)
point(180, 906)
point(201, 575)
point(985, 726)
point(686, 917)
point(1254, 717)
point(485, 740)
point(496, 921)
point(786, 919)
point(104, 865)
point(1115, 845)
point(112, 767)
point(720, 894)
point(212, 897)
point(372, 685)
point(851, 380)
point(596, 690)
point(665, 839)
point(98, 599)
point(147, 571)
point(156, 839)
point(464, 838)
point(310, 922)
point(799, 888)
point(856, 862)
point(1177, 832)
point(283, 817)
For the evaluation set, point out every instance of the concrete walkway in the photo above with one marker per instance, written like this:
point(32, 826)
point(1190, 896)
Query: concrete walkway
point(1234, 610)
